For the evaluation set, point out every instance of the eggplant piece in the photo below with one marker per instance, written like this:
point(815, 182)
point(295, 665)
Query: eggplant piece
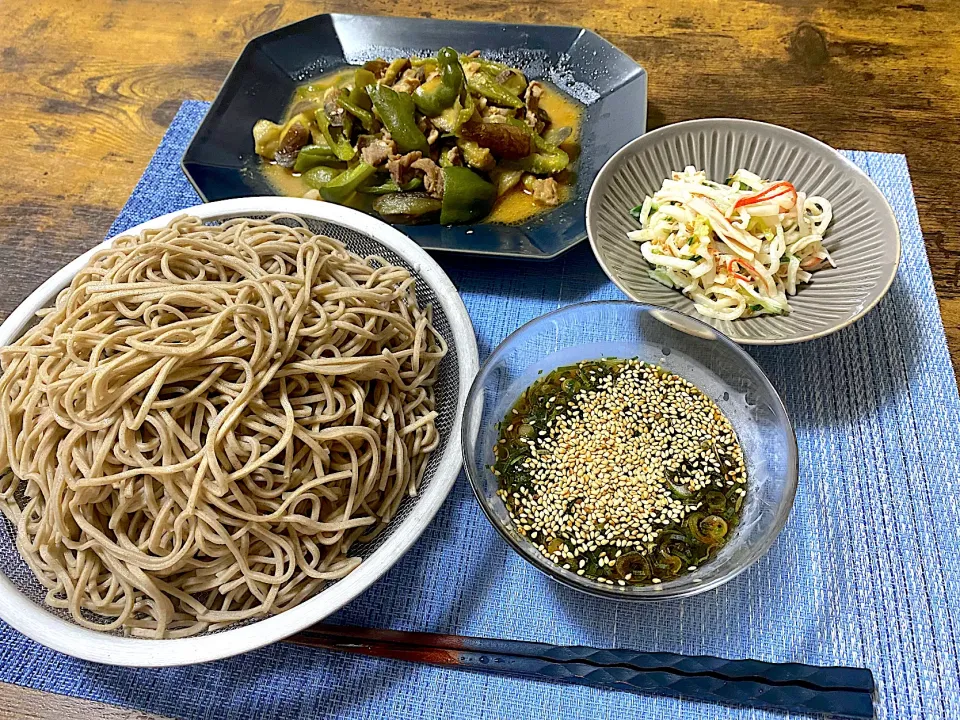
point(505, 140)
point(378, 67)
point(266, 138)
point(295, 136)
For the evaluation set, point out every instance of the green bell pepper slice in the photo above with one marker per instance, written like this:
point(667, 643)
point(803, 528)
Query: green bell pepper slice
point(547, 160)
point(516, 83)
point(396, 111)
point(312, 155)
point(391, 186)
point(475, 156)
point(505, 179)
point(319, 176)
point(483, 84)
point(358, 96)
point(466, 196)
point(340, 188)
point(454, 118)
point(310, 92)
point(335, 138)
point(364, 116)
point(407, 207)
point(441, 92)
point(546, 163)
point(392, 73)
point(491, 66)
point(427, 62)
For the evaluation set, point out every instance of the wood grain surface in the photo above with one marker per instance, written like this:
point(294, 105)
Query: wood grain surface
point(25, 704)
point(87, 89)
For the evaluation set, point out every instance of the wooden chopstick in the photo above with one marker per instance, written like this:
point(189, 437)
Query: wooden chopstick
point(793, 687)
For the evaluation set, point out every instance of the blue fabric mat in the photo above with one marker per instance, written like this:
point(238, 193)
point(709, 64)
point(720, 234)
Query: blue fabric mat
point(865, 572)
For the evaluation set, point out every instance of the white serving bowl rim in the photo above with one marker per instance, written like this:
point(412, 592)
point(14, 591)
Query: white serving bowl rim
point(54, 632)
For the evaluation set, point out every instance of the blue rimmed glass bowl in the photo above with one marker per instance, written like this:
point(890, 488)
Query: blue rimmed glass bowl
point(680, 344)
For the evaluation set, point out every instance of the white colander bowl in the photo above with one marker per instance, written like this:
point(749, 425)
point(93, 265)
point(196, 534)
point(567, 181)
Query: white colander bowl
point(21, 596)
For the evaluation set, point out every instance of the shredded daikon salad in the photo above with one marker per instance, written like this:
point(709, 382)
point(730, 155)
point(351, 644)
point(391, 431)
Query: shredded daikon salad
point(736, 249)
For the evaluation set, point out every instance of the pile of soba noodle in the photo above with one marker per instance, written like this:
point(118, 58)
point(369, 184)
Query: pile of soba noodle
point(209, 420)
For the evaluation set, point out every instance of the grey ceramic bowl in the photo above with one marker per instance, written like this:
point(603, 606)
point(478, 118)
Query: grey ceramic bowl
point(863, 238)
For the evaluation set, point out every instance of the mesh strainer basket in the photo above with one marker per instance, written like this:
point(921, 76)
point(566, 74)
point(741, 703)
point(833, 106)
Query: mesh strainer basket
point(21, 596)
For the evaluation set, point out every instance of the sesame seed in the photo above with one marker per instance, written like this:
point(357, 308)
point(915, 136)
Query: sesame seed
point(614, 465)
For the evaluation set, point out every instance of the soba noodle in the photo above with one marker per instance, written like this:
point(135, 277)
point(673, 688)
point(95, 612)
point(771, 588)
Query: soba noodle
point(209, 420)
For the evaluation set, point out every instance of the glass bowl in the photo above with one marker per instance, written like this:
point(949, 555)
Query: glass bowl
point(681, 344)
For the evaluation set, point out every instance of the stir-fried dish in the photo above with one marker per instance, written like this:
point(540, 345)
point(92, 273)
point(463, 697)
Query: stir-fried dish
point(450, 139)
point(620, 471)
point(736, 249)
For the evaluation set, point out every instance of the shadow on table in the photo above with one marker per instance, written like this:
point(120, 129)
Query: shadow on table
point(575, 272)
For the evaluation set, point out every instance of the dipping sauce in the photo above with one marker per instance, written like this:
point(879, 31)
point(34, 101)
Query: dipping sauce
point(621, 471)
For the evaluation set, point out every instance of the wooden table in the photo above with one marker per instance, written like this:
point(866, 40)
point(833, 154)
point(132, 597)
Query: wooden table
point(88, 88)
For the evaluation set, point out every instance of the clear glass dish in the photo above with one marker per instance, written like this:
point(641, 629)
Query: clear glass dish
point(681, 344)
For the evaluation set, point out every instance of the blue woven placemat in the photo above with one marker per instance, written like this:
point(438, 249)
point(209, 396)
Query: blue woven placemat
point(865, 572)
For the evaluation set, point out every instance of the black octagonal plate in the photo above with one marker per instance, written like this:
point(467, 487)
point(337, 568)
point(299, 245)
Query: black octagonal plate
point(221, 163)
